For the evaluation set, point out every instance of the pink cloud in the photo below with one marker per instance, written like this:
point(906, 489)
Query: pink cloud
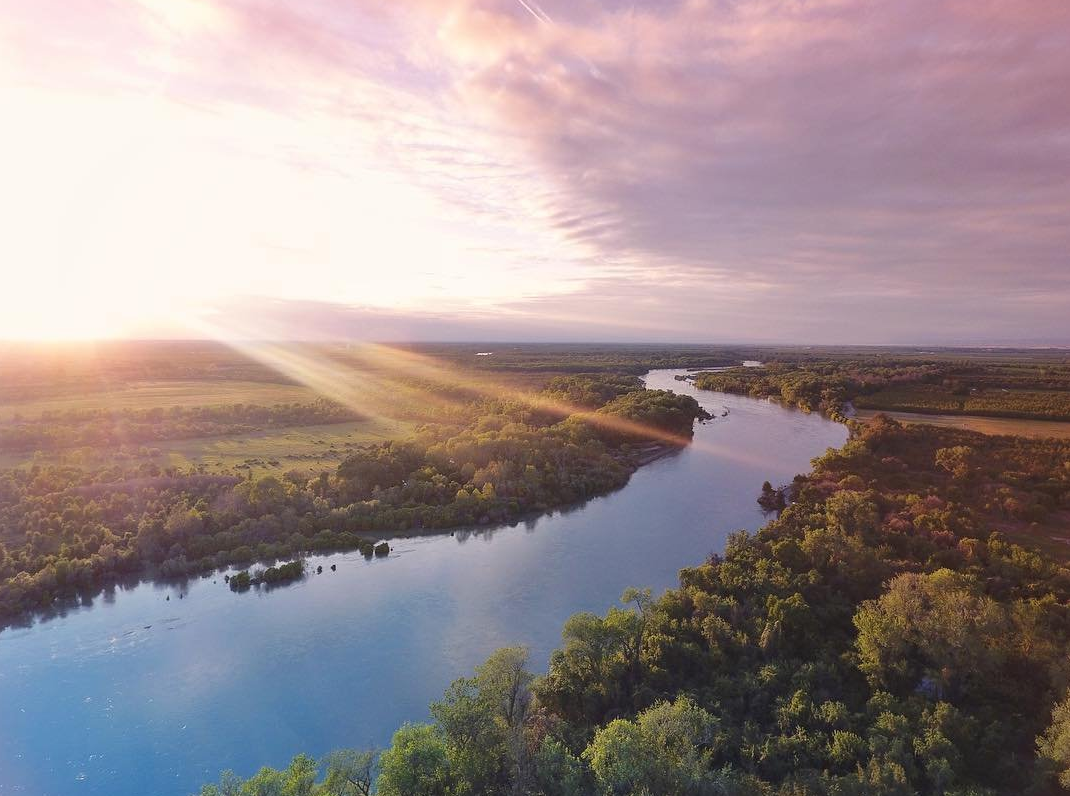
point(919, 148)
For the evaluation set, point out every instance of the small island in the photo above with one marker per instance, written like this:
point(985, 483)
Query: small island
point(272, 576)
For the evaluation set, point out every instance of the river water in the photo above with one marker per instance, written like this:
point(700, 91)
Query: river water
point(138, 695)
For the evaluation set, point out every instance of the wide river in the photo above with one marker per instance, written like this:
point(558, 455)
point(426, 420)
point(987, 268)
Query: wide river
point(138, 695)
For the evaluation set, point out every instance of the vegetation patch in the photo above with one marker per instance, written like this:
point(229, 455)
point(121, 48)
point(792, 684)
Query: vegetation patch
point(272, 576)
point(1039, 390)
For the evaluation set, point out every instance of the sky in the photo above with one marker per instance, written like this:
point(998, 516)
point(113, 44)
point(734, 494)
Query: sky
point(811, 171)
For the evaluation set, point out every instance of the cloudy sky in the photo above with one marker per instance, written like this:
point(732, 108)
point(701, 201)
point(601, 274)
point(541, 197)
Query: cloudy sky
point(769, 170)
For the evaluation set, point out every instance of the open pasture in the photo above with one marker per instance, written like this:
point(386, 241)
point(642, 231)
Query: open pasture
point(153, 394)
point(303, 448)
point(986, 425)
point(1049, 404)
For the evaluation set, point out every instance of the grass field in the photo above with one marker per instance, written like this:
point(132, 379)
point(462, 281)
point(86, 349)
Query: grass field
point(1051, 538)
point(151, 394)
point(990, 402)
point(986, 425)
point(301, 448)
point(305, 448)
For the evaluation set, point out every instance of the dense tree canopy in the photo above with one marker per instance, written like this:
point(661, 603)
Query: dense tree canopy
point(1028, 390)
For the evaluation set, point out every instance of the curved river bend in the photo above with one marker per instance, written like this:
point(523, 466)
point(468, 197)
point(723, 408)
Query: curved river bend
point(138, 695)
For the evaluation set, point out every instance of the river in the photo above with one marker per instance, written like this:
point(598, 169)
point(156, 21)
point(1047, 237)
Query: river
point(137, 694)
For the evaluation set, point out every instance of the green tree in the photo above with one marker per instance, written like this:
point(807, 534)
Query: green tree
point(939, 627)
point(482, 718)
point(416, 764)
point(1054, 744)
point(668, 749)
point(557, 772)
point(350, 772)
point(298, 779)
point(597, 671)
point(851, 513)
point(229, 785)
point(957, 460)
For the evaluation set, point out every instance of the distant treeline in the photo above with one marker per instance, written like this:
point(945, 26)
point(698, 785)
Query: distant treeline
point(1040, 391)
point(959, 399)
point(583, 358)
point(65, 529)
point(879, 638)
point(106, 427)
point(824, 387)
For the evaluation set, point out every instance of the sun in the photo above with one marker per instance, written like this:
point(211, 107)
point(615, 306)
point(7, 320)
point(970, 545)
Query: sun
point(76, 312)
point(58, 326)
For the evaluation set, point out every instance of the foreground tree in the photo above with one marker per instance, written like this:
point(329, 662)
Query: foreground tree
point(350, 772)
point(416, 764)
point(936, 632)
point(1054, 744)
point(483, 718)
point(347, 772)
point(668, 749)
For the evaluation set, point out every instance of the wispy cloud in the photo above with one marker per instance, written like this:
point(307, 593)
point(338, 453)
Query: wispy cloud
point(833, 169)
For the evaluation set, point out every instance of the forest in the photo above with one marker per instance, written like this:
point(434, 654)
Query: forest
point(1039, 390)
point(67, 530)
point(880, 636)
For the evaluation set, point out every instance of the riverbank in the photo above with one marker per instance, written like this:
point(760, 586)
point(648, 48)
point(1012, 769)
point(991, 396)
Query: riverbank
point(642, 455)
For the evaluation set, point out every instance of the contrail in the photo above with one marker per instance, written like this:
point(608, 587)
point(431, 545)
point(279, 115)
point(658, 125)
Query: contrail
point(533, 8)
point(536, 12)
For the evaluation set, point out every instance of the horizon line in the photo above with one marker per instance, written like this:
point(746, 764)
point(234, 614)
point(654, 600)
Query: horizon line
point(947, 346)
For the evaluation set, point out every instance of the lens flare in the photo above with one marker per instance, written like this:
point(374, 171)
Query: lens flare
point(381, 381)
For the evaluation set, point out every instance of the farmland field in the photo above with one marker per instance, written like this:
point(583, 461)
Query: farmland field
point(986, 425)
point(1049, 404)
point(300, 448)
point(257, 451)
point(311, 448)
point(152, 394)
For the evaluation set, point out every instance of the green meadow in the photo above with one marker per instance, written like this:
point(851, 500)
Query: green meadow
point(158, 393)
point(302, 448)
point(258, 451)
